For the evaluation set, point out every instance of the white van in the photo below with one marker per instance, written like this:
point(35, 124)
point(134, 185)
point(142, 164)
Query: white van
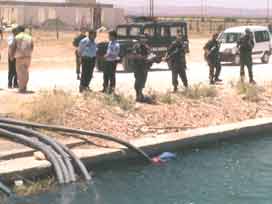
point(229, 51)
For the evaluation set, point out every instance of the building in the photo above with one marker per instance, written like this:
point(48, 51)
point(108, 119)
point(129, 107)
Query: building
point(71, 14)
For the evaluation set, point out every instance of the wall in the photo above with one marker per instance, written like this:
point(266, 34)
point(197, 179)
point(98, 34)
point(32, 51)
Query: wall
point(111, 17)
point(73, 17)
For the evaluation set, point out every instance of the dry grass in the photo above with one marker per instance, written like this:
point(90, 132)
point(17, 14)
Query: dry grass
point(32, 188)
point(120, 100)
point(199, 91)
point(249, 92)
point(49, 106)
point(167, 98)
point(126, 103)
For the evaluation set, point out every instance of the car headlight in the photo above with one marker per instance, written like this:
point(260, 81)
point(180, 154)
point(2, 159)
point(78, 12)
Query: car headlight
point(231, 51)
point(228, 50)
point(234, 51)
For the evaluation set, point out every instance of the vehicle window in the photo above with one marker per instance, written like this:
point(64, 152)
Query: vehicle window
point(174, 30)
point(149, 31)
point(165, 32)
point(122, 31)
point(261, 36)
point(229, 37)
point(135, 31)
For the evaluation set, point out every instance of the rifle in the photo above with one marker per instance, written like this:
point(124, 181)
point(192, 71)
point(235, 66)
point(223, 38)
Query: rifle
point(208, 53)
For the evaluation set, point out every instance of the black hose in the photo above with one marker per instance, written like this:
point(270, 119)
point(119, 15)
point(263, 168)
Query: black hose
point(63, 168)
point(5, 189)
point(75, 131)
point(47, 140)
point(81, 167)
point(51, 155)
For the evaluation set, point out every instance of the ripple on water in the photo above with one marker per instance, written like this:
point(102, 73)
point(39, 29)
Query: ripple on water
point(237, 172)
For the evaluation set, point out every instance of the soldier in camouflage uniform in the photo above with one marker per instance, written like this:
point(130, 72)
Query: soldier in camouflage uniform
point(141, 65)
point(177, 61)
point(246, 45)
point(212, 56)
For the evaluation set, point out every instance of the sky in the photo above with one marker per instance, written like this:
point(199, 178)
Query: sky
point(221, 3)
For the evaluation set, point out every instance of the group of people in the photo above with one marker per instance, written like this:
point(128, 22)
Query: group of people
point(86, 54)
point(20, 48)
point(212, 55)
point(141, 61)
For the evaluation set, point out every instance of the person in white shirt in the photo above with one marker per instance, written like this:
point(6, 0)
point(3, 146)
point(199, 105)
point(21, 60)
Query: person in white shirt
point(12, 75)
point(111, 60)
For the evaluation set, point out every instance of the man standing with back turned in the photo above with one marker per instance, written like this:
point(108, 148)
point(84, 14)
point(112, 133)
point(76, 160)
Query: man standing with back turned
point(76, 42)
point(21, 49)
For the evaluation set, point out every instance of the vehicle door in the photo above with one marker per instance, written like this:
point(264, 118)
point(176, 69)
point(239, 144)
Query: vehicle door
point(262, 43)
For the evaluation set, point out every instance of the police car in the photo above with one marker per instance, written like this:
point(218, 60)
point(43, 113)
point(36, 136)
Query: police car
point(157, 34)
point(228, 39)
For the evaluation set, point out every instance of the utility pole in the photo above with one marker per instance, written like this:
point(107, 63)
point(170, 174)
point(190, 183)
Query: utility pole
point(151, 8)
point(202, 9)
point(267, 10)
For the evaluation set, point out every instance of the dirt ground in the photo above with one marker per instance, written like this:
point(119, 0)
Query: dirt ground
point(51, 53)
point(172, 113)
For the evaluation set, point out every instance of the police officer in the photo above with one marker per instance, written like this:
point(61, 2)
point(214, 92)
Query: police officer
point(76, 42)
point(141, 65)
point(212, 56)
point(111, 61)
point(245, 45)
point(177, 61)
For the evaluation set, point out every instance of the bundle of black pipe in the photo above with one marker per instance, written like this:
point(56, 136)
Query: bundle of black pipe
point(5, 189)
point(58, 154)
point(76, 131)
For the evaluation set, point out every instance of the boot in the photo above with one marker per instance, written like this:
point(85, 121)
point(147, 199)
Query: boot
point(140, 96)
point(111, 91)
point(252, 81)
point(175, 90)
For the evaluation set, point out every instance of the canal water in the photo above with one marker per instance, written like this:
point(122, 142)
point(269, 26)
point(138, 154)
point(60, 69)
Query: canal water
point(237, 172)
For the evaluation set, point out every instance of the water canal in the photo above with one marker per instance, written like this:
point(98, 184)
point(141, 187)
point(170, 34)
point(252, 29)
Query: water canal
point(232, 172)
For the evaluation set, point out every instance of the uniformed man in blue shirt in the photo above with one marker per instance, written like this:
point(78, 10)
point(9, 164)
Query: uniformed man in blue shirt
point(87, 52)
point(111, 61)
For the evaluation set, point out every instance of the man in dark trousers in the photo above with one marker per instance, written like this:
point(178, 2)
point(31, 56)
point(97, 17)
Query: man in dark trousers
point(111, 60)
point(246, 45)
point(87, 52)
point(212, 56)
point(177, 61)
point(12, 75)
point(141, 65)
point(76, 42)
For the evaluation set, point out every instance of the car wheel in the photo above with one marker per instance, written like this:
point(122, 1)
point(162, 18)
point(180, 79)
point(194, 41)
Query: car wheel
point(127, 64)
point(265, 58)
point(237, 60)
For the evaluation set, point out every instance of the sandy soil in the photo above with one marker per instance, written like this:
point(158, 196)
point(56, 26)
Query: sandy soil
point(50, 53)
point(184, 113)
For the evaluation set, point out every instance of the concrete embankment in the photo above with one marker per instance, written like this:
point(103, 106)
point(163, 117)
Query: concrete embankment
point(24, 164)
